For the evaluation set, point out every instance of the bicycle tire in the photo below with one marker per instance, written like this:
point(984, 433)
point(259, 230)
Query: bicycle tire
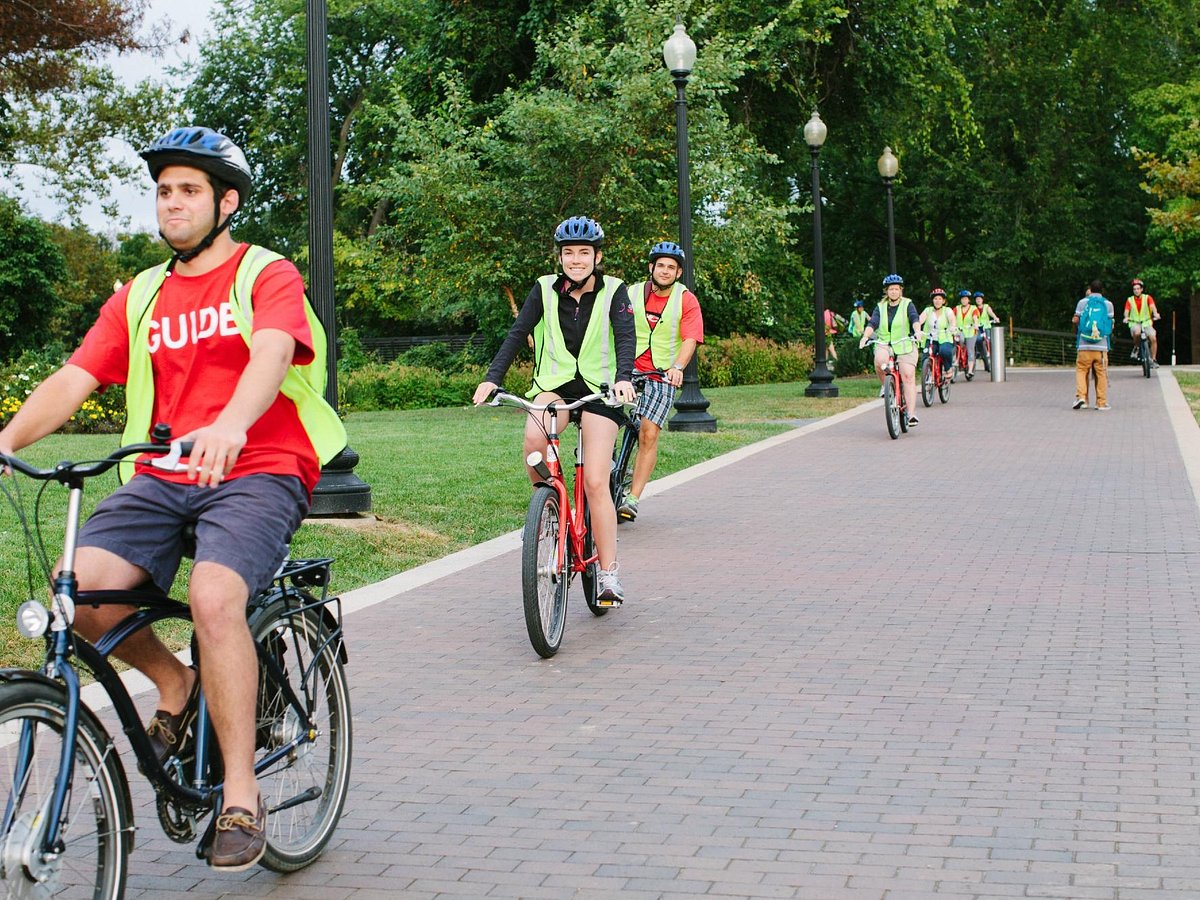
point(890, 410)
point(944, 389)
point(97, 826)
point(1145, 355)
point(543, 587)
point(623, 466)
point(589, 578)
point(308, 654)
point(927, 382)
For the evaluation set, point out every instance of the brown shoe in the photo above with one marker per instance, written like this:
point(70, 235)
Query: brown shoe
point(240, 840)
point(167, 730)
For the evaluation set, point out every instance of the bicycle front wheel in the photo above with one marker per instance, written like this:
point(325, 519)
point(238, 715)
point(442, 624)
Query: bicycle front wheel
point(891, 409)
point(304, 791)
point(1145, 357)
point(927, 382)
point(544, 585)
point(96, 826)
point(944, 389)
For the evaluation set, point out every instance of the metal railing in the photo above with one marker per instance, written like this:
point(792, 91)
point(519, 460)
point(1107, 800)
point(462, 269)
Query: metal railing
point(1034, 346)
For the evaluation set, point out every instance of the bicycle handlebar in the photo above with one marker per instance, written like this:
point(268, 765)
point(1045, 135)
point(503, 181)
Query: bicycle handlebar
point(66, 470)
point(500, 397)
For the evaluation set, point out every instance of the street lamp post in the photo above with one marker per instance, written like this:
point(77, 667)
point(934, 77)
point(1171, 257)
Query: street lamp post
point(679, 53)
point(339, 492)
point(888, 166)
point(821, 381)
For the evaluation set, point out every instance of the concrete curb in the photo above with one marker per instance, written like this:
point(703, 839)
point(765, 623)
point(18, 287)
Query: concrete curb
point(1183, 423)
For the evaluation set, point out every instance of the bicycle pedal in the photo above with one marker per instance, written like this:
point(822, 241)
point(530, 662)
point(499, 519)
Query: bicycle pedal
point(608, 603)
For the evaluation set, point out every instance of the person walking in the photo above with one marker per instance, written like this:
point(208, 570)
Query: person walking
point(669, 325)
point(213, 343)
point(1094, 320)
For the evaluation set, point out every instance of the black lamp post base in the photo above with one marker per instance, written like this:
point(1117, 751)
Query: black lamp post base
point(340, 492)
point(697, 420)
point(820, 383)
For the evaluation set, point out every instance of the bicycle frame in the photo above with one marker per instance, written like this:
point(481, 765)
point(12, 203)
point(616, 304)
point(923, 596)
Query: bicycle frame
point(573, 527)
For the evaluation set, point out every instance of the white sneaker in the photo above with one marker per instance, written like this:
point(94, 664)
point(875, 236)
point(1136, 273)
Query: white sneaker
point(1079, 404)
point(881, 390)
point(609, 591)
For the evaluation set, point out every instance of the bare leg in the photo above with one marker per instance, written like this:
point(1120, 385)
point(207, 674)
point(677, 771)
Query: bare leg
point(229, 671)
point(647, 458)
point(535, 437)
point(99, 569)
point(599, 435)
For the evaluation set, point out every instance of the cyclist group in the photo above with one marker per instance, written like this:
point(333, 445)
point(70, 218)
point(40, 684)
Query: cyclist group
point(897, 328)
point(590, 329)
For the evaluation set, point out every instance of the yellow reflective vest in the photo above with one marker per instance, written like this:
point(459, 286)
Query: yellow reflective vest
point(663, 339)
point(303, 385)
point(898, 332)
point(553, 364)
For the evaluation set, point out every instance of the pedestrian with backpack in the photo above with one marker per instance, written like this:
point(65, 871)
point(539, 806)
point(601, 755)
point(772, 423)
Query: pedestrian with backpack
point(1094, 319)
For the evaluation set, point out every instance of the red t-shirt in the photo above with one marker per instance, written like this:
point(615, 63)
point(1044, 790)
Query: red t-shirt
point(691, 324)
point(197, 356)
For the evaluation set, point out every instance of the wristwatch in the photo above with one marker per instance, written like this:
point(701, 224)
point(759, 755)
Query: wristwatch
point(676, 365)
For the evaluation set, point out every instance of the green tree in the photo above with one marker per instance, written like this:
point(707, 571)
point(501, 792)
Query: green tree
point(30, 266)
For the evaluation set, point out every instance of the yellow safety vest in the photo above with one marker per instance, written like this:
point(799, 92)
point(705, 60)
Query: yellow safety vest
point(897, 332)
point(944, 321)
point(663, 343)
point(1143, 315)
point(966, 323)
point(303, 385)
point(554, 365)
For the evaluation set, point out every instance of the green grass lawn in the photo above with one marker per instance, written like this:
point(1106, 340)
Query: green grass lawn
point(1189, 383)
point(441, 480)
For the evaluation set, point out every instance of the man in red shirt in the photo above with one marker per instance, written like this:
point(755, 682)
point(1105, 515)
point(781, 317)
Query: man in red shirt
point(669, 327)
point(172, 333)
point(1140, 315)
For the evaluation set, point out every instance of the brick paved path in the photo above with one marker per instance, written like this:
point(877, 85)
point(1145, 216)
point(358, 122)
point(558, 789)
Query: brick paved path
point(962, 663)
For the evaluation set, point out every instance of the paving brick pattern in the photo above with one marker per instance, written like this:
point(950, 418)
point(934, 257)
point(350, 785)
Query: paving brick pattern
point(963, 663)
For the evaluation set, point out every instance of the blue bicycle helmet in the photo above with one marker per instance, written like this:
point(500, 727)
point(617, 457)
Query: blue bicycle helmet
point(858, 303)
point(979, 295)
point(892, 279)
point(579, 230)
point(964, 293)
point(666, 248)
point(204, 149)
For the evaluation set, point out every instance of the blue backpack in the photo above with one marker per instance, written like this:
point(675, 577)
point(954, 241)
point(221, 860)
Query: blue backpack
point(1095, 323)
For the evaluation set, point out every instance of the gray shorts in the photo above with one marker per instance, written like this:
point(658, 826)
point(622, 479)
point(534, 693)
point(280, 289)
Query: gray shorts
point(244, 524)
point(655, 401)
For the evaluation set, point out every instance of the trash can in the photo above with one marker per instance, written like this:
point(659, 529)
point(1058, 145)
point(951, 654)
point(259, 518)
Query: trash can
point(998, 357)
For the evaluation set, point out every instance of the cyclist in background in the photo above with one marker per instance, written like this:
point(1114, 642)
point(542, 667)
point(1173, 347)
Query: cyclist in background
point(967, 318)
point(584, 337)
point(939, 323)
point(858, 320)
point(896, 322)
point(669, 326)
point(1140, 315)
point(261, 432)
point(986, 317)
point(832, 323)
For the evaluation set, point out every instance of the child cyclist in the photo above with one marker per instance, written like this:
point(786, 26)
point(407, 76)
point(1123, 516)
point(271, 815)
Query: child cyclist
point(583, 334)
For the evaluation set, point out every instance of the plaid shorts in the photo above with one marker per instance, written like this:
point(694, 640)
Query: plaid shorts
point(655, 401)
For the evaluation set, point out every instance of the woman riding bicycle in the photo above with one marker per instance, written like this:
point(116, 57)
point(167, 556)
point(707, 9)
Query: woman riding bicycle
point(896, 322)
point(939, 323)
point(583, 333)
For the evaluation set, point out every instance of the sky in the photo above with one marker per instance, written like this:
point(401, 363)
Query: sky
point(135, 201)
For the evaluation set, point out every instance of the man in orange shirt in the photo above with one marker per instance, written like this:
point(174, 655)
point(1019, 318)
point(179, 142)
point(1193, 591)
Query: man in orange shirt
point(669, 328)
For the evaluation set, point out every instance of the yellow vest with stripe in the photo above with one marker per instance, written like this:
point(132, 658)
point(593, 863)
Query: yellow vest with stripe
point(553, 364)
point(966, 324)
point(898, 333)
point(985, 320)
point(1141, 316)
point(663, 343)
point(303, 385)
point(944, 320)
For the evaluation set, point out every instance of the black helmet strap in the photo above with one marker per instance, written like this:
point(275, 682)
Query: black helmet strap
point(188, 255)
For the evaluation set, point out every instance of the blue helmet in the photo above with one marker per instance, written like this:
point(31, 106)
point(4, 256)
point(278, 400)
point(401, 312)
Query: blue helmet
point(964, 293)
point(204, 149)
point(979, 295)
point(579, 230)
point(666, 248)
point(892, 279)
point(858, 303)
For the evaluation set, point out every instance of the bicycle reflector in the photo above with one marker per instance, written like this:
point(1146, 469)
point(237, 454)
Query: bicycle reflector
point(32, 619)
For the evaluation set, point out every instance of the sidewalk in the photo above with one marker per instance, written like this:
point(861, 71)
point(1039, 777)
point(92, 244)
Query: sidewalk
point(963, 663)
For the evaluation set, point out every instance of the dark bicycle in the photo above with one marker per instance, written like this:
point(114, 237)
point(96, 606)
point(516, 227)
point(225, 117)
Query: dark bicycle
point(626, 449)
point(1143, 353)
point(67, 825)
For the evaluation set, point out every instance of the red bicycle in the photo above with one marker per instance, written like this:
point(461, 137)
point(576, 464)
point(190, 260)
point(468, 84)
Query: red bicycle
point(933, 376)
point(960, 359)
point(557, 542)
point(895, 409)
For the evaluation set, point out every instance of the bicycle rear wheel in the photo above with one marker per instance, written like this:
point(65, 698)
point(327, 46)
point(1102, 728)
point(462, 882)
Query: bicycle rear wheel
point(543, 585)
point(623, 465)
point(589, 578)
point(96, 825)
point(305, 790)
point(891, 409)
point(927, 385)
point(1145, 354)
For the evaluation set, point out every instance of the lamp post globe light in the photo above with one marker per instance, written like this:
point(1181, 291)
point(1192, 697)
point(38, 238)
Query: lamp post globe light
point(821, 380)
point(339, 492)
point(679, 54)
point(888, 166)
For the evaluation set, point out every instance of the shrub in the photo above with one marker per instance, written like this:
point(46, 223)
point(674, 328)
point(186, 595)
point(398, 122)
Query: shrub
point(398, 386)
point(100, 414)
point(746, 359)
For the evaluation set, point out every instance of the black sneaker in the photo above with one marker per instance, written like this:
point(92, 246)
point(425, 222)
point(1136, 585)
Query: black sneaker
point(913, 421)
